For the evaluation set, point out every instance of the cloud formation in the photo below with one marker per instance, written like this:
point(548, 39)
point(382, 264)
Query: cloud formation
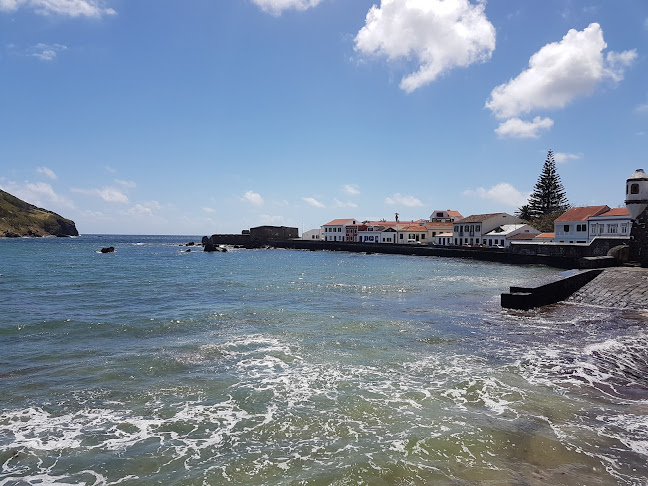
point(276, 7)
point(70, 8)
point(439, 35)
point(46, 52)
point(557, 74)
point(108, 194)
point(253, 198)
point(516, 128)
point(403, 200)
point(313, 202)
point(351, 189)
point(39, 194)
point(562, 157)
point(49, 173)
point(502, 193)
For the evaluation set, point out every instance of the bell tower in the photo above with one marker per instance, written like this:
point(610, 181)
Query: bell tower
point(637, 202)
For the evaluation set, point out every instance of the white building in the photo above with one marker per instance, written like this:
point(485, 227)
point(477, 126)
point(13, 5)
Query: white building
point(469, 230)
point(336, 230)
point(573, 225)
point(615, 223)
point(445, 216)
point(503, 235)
point(313, 235)
point(443, 239)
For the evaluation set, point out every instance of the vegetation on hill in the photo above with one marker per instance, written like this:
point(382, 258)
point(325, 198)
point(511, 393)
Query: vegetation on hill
point(18, 218)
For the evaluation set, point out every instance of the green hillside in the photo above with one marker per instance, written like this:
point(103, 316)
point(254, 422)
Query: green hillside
point(18, 218)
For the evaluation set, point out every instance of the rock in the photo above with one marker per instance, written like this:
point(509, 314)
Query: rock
point(191, 243)
point(205, 240)
point(210, 247)
point(109, 249)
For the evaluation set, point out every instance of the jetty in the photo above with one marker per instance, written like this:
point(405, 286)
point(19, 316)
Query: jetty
point(618, 287)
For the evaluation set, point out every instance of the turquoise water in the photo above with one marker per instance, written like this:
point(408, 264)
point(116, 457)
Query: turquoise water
point(153, 365)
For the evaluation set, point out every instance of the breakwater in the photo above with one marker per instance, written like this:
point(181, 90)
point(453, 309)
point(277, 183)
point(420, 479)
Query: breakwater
point(476, 253)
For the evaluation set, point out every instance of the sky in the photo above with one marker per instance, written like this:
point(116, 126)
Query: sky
point(202, 117)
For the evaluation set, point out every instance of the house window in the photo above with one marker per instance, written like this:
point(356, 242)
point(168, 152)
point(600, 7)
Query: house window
point(401, 236)
point(581, 227)
point(456, 229)
point(466, 228)
point(422, 236)
point(566, 228)
point(477, 228)
point(612, 228)
point(624, 228)
point(634, 188)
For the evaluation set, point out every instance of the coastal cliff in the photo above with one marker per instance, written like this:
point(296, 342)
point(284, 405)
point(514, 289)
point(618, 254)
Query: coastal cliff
point(19, 218)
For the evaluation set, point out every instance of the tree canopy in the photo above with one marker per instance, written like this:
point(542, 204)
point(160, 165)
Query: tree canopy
point(548, 196)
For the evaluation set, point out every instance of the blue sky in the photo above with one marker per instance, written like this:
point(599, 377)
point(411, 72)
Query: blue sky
point(201, 117)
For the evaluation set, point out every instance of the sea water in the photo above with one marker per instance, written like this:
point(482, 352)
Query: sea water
point(158, 365)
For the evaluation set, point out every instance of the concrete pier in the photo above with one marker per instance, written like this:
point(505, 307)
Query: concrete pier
point(619, 288)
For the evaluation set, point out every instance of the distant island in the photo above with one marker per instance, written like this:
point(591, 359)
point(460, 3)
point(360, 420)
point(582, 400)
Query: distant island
point(19, 218)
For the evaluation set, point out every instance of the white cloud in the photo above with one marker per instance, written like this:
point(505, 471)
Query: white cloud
point(438, 34)
point(39, 194)
point(340, 204)
point(402, 200)
point(46, 52)
point(516, 128)
point(126, 184)
point(276, 7)
point(642, 108)
point(209, 210)
point(253, 198)
point(562, 157)
point(313, 202)
point(71, 8)
point(560, 72)
point(49, 173)
point(145, 209)
point(108, 194)
point(502, 193)
point(351, 189)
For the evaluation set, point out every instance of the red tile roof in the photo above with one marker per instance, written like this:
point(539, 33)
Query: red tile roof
point(454, 214)
point(582, 213)
point(546, 235)
point(340, 222)
point(622, 211)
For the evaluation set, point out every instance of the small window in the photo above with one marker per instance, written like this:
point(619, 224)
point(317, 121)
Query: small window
point(477, 228)
point(401, 236)
point(634, 189)
point(566, 228)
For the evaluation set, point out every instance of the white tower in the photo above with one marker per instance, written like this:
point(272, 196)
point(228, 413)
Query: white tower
point(637, 193)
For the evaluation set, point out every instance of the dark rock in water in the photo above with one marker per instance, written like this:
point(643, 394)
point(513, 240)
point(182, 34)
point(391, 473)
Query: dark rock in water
point(187, 250)
point(191, 243)
point(210, 247)
point(223, 249)
point(109, 249)
point(10, 234)
point(205, 240)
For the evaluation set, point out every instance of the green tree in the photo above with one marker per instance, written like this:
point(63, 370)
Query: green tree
point(524, 212)
point(548, 196)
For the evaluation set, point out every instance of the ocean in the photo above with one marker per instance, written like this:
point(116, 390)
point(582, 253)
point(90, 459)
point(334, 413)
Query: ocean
point(155, 365)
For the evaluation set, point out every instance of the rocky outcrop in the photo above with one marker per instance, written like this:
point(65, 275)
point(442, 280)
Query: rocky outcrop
point(19, 218)
point(108, 249)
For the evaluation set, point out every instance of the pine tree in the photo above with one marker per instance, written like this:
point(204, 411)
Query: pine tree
point(548, 196)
